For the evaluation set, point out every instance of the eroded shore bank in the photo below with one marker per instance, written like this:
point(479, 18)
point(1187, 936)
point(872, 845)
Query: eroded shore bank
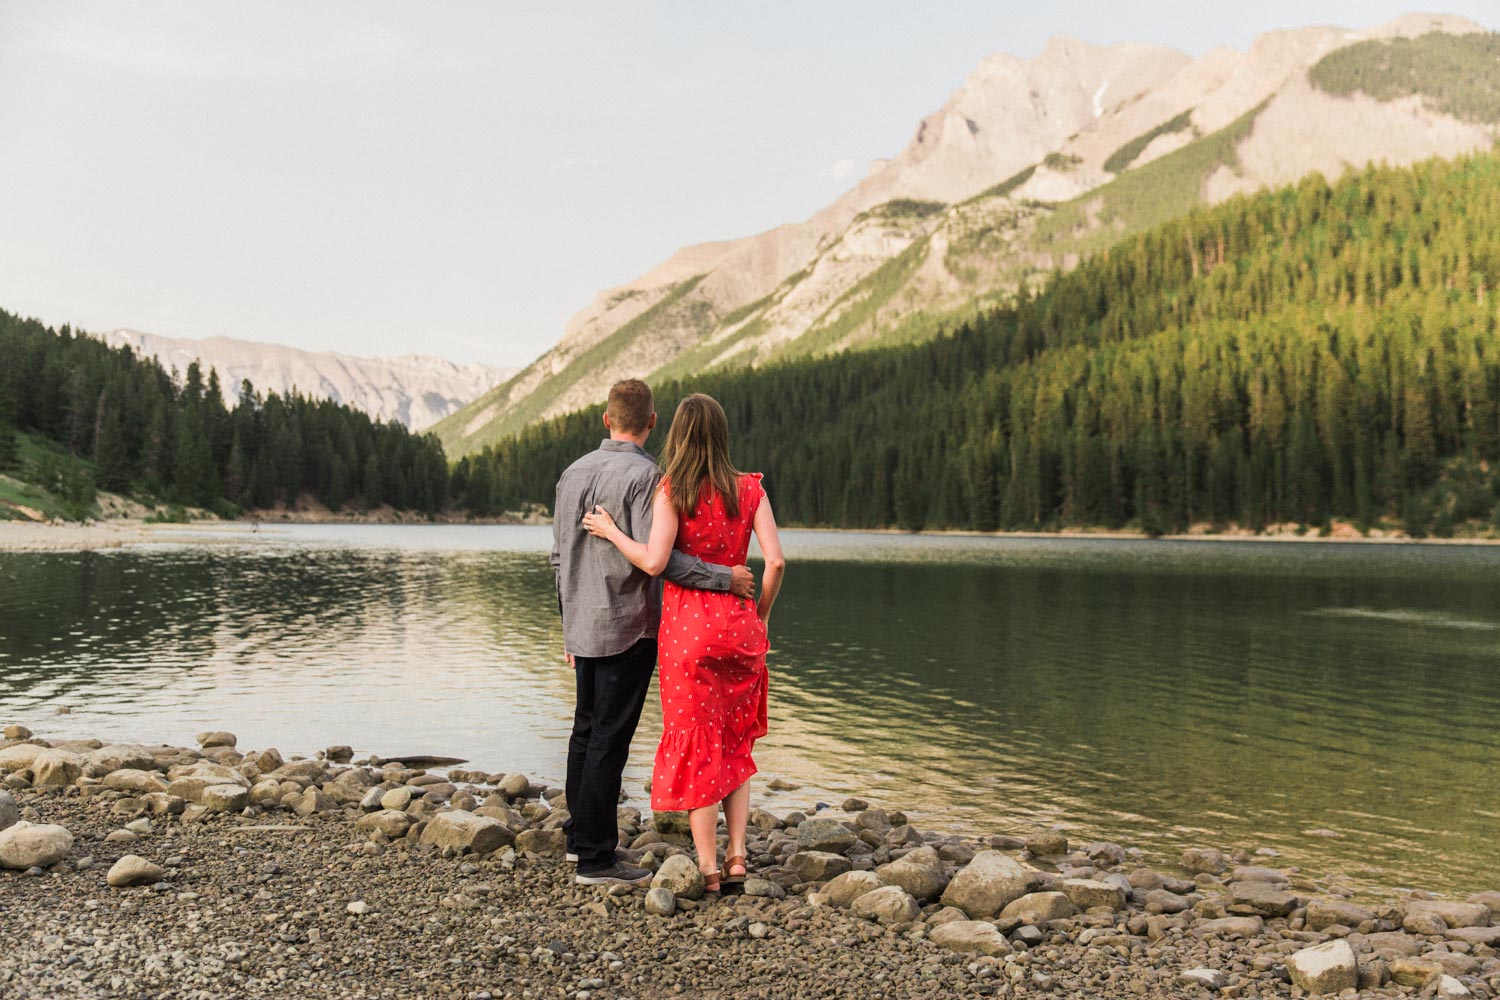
point(156, 871)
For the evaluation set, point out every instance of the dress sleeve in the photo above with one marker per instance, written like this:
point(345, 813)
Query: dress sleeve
point(752, 492)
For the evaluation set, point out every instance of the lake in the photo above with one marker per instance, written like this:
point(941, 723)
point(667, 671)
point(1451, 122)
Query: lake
point(1335, 703)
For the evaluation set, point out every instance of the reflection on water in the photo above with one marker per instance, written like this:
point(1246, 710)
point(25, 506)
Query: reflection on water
point(1159, 694)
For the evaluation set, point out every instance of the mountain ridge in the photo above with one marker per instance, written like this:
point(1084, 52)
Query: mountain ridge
point(939, 229)
point(414, 389)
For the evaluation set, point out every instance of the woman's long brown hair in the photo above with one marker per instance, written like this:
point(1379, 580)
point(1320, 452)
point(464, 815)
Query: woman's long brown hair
point(697, 455)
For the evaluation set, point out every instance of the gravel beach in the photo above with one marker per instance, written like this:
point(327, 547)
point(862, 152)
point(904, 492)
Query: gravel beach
point(152, 871)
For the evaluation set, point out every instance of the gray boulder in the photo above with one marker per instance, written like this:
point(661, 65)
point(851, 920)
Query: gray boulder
point(1037, 908)
point(1452, 914)
point(547, 843)
point(19, 756)
point(1231, 927)
point(1047, 842)
point(33, 845)
point(1260, 899)
point(1204, 860)
point(848, 887)
point(970, 937)
point(680, 876)
point(1324, 913)
point(889, 904)
point(223, 798)
point(134, 780)
point(312, 800)
point(824, 835)
point(990, 883)
point(390, 822)
point(461, 831)
point(10, 814)
point(919, 872)
point(56, 768)
point(1088, 893)
point(117, 757)
point(1327, 968)
point(660, 902)
point(817, 866)
point(132, 870)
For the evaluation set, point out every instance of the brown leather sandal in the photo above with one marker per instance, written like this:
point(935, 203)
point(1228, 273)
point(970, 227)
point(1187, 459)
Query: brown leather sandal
point(734, 861)
point(710, 880)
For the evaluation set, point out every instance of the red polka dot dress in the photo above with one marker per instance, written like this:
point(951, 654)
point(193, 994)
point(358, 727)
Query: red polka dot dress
point(712, 656)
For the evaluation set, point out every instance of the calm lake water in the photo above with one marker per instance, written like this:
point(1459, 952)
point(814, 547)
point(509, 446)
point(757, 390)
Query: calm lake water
point(1335, 703)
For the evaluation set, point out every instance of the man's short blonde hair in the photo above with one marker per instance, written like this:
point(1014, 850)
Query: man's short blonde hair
point(630, 406)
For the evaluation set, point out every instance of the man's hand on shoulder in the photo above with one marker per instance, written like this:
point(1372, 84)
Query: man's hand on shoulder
point(742, 582)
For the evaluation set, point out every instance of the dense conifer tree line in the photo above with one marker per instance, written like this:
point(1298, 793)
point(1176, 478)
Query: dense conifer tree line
point(150, 433)
point(1311, 353)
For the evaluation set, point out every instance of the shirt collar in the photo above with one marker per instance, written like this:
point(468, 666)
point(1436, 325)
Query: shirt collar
point(609, 444)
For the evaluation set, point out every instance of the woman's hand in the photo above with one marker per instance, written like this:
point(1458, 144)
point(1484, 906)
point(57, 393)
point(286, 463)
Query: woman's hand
point(598, 523)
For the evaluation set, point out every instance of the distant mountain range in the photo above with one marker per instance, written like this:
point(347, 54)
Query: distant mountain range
point(413, 389)
point(1027, 168)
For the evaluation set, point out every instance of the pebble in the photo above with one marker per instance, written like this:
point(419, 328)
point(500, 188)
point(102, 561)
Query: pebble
point(260, 906)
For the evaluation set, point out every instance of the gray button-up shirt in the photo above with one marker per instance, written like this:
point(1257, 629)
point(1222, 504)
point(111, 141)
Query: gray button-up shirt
point(607, 604)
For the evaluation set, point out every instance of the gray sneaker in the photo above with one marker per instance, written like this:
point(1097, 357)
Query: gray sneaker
point(615, 874)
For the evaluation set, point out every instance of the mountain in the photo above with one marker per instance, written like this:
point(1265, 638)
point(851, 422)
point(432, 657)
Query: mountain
point(1319, 356)
point(413, 389)
point(1027, 168)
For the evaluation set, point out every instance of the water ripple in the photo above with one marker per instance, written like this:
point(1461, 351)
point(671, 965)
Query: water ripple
point(1161, 694)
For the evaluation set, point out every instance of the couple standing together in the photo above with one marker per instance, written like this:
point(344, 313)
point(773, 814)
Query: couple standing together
point(619, 522)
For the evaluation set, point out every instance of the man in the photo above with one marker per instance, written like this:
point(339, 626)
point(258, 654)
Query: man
point(610, 615)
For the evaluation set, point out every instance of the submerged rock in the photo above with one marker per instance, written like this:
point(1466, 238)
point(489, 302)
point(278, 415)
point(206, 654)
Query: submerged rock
point(1205, 860)
point(1047, 842)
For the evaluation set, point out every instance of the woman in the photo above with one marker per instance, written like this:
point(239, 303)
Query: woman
point(712, 647)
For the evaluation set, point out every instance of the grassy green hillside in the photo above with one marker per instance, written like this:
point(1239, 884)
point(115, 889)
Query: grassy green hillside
point(1310, 354)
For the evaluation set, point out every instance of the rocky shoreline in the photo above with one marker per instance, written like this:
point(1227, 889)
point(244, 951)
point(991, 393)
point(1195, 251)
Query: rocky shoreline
point(157, 871)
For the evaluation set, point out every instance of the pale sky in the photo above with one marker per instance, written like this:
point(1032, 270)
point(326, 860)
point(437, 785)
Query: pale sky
point(459, 178)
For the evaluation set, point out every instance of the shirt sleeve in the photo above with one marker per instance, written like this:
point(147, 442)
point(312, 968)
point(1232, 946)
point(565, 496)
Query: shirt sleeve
point(555, 556)
point(695, 574)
